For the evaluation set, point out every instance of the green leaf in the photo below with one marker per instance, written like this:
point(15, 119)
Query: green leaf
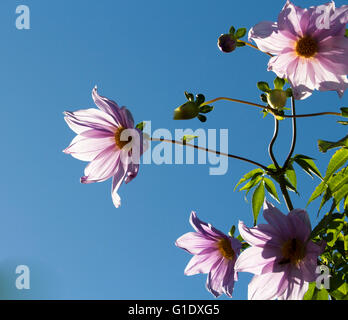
point(206, 109)
point(346, 34)
point(279, 83)
point(338, 180)
point(344, 112)
point(240, 43)
point(202, 118)
point(252, 183)
point(232, 30)
point(333, 231)
point(189, 96)
point(288, 92)
point(326, 145)
point(140, 126)
point(271, 188)
point(240, 33)
point(248, 176)
point(341, 293)
point(188, 137)
point(263, 86)
point(339, 158)
point(307, 164)
point(319, 190)
point(310, 292)
point(263, 98)
point(340, 194)
point(231, 232)
point(200, 99)
point(291, 175)
point(257, 200)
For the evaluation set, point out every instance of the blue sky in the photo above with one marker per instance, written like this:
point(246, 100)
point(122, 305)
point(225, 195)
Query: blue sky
point(144, 55)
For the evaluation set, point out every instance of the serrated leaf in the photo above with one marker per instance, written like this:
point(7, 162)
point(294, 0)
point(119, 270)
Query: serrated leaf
point(326, 145)
point(252, 183)
point(240, 33)
point(339, 158)
point(257, 200)
point(263, 86)
point(338, 180)
point(333, 231)
point(307, 164)
point(318, 191)
point(188, 137)
point(270, 187)
point(248, 176)
point(340, 194)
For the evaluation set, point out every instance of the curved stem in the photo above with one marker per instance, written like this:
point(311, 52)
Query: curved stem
point(270, 147)
point(279, 170)
point(255, 47)
point(212, 151)
point(312, 115)
point(235, 100)
point(272, 110)
point(294, 134)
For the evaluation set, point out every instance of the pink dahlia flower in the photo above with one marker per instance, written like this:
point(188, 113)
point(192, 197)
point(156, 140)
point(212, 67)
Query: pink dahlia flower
point(309, 47)
point(108, 140)
point(281, 256)
point(214, 253)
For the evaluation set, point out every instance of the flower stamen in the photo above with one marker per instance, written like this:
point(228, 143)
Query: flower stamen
point(293, 251)
point(225, 248)
point(306, 47)
point(118, 133)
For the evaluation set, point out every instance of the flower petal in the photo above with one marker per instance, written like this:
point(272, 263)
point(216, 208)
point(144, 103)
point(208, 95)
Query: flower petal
point(268, 38)
point(257, 260)
point(194, 242)
point(216, 277)
point(204, 228)
point(103, 166)
point(108, 106)
point(267, 286)
point(202, 263)
point(86, 149)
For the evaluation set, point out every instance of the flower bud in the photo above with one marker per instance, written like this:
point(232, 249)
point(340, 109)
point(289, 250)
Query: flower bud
point(188, 110)
point(226, 43)
point(277, 98)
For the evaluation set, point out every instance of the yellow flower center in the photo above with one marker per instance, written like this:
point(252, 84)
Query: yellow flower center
point(225, 248)
point(306, 47)
point(121, 143)
point(293, 251)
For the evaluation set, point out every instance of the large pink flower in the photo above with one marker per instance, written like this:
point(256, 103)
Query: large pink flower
point(309, 47)
point(107, 138)
point(281, 256)
point(214, 253)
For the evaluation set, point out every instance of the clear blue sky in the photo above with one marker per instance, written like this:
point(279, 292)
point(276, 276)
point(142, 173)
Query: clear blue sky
point(143, 54)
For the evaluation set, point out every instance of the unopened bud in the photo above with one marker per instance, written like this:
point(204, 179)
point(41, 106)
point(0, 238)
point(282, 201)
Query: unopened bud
point(277, 98)
point(226, 43)
point(188, 110)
